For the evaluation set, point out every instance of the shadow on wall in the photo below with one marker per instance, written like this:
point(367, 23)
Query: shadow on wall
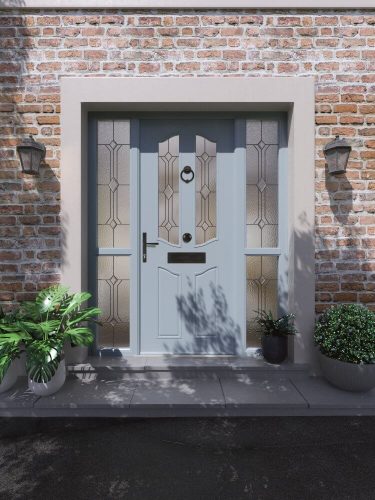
point(33, 202)
point(211, 329)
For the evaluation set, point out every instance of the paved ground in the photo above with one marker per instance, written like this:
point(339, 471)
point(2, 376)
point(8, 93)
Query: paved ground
point(264, 458)
point(172, 387)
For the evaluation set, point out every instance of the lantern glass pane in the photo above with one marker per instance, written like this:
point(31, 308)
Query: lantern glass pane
point(36, 158)
point(25, 157)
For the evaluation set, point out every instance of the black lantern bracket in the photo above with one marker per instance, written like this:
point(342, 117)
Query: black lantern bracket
point(31, 154)
point(337, 155)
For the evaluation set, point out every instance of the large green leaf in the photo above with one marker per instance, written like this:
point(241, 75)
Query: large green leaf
point(80, 336)
point(84, 315)
point(50, 298)
point(43, 358)
point(40, 371)
point(76, 301)
point(5, 361)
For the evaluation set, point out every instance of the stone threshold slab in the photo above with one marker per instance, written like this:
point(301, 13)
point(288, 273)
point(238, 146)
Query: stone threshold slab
point(169, 394)
point(169, 363)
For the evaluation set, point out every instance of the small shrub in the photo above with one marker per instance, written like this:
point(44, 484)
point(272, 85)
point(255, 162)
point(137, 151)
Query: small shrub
point(276, 326)
point(347, 333)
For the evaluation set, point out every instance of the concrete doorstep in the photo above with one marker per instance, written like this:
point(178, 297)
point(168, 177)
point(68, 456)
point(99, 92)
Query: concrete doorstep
point(176, 388)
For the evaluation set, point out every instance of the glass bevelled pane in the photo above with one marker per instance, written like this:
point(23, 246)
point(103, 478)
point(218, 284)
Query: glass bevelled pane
point(105, 131)
point(113, 293)
point(113, 190)
point(253, 131)
point(104, 165)
point(261, 293)
point(121, 130)
point(168, 190)
point(205, 190)
point(270, 131)
point(262, 146)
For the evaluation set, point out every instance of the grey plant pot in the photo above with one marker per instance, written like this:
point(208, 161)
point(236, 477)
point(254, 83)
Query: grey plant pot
point(348, 376)
point(75, 355)
point(53, 385)
point(275, 348)
point(10, 377)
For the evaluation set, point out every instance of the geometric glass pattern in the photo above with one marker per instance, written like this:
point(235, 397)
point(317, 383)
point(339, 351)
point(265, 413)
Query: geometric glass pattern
point(168, 190)
point(205, 190)
point(113, 191)
point(113, 294)
point(262, 147)
point(261, 293)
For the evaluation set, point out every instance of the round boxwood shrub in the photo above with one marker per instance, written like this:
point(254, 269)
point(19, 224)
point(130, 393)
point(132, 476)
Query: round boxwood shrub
point(347, 333)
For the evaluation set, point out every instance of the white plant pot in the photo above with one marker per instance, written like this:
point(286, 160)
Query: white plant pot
point(348, 376)
point(53, 385)
point(10, 377)
point(75, 355)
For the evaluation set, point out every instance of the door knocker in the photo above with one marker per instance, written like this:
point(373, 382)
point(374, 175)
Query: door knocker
point(187, 174)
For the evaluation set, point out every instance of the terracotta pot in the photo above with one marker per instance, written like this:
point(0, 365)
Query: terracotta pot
point(348, 376)
point(275, 348)
point(10, 377)
point(53, 385)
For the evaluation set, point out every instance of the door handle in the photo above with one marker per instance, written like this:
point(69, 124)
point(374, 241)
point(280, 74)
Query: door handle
point(145, 244)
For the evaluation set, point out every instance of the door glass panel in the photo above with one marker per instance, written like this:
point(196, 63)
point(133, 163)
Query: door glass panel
point(168, 191)
point(113, 153)
point(113, 296)
point(262, 146)
point(261, 294)
point(205, 190)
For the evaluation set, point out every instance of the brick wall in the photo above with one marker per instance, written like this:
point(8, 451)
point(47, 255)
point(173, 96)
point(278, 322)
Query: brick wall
point(337, 48)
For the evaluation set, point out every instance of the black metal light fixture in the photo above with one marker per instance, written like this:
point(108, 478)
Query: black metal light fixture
point(337, 155)
point(31, 154)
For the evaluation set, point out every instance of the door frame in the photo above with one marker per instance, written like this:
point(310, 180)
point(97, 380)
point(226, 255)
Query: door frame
point(134, 252)
point(294, 95)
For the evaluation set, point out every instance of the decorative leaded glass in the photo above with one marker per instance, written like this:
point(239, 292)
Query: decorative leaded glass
point(169, 226)
point(261, 293)
point(205, 190)
point(113, 183)
point(262, 146)
point(113, 299)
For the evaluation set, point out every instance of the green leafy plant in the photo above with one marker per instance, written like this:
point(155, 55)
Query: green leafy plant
point(11, 341)
point(43, 326)
point(347, 333)
point(276, 326)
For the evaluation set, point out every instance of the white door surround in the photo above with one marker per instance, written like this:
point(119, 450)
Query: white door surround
point(294, 95)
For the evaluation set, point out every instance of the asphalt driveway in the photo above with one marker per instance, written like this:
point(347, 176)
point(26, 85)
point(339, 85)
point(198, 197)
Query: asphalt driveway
point(252, 458)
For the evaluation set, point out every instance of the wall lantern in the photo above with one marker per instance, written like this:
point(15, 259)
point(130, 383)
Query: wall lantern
point(31, 154)
point(337, 155)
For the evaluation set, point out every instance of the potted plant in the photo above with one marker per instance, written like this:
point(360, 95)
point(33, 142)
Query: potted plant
point(12, 343)
point(345, 335)
point(10, 350)
point(275, 332)
point(54, 318)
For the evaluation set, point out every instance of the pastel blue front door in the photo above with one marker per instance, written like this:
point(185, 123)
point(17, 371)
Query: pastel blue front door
point(191, 262)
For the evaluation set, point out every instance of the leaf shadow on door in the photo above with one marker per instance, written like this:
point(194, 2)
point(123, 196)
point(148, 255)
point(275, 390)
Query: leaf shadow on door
point(211, 328)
